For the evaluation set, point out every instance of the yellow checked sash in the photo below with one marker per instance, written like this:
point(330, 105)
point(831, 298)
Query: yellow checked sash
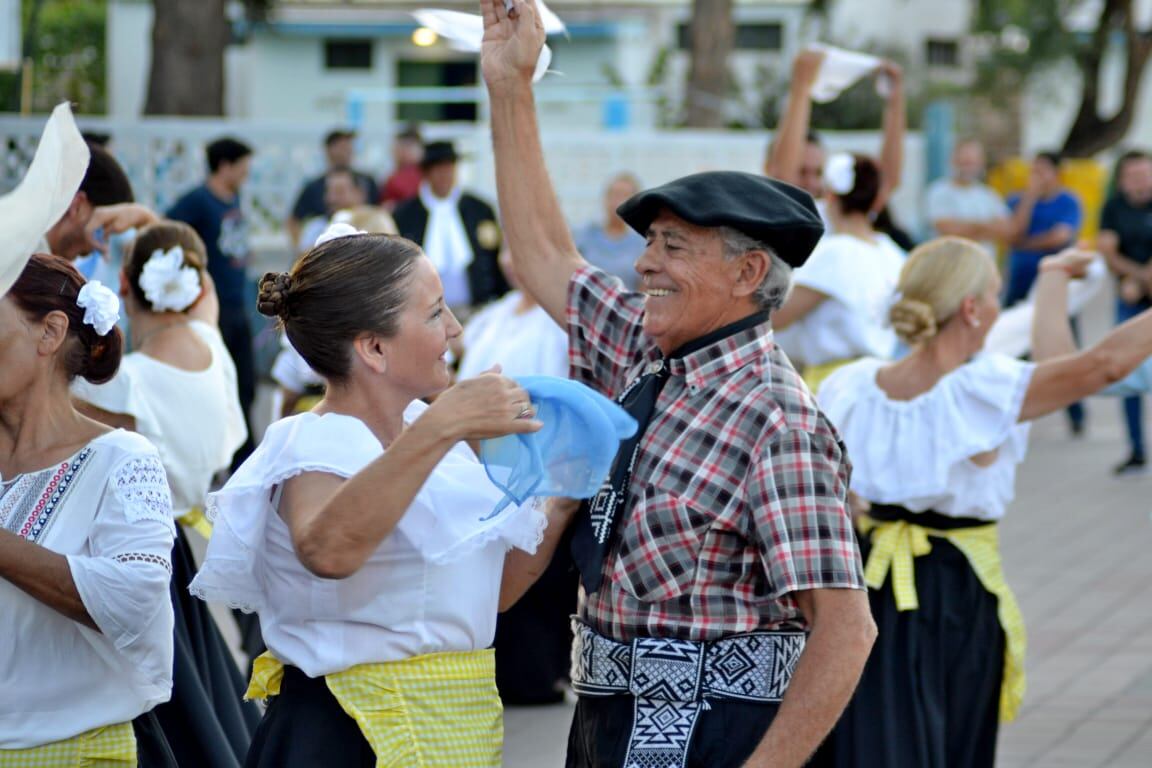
point(441, 709)
point(897, 543)
point(110, 746)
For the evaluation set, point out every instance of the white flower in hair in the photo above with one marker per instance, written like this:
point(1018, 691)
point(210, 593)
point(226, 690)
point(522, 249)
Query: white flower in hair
point(337, 229)
point(840, 173)
point(101, 306)
point(167, 283)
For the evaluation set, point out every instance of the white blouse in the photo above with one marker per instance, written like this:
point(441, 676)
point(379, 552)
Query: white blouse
point(433, 585)
point(192, 417)
point(917, 453)
point(860, 280)
point(528, 344)
point(108, 509)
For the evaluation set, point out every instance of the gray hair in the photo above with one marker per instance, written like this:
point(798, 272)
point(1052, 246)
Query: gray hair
point(777, 283)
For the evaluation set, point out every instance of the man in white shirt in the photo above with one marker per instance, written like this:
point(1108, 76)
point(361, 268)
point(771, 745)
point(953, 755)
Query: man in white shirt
point(963, 205)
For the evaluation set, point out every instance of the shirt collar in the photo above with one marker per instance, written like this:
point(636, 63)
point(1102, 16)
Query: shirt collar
point(723, 351)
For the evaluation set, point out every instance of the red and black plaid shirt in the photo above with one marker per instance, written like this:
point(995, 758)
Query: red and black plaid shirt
point(737, 498)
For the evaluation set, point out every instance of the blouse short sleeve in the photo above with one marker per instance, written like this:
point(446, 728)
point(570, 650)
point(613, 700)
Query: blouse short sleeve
point(123, 576)
point(605, 337)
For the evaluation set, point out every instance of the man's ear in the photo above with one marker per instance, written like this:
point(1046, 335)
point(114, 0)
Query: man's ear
point(753, 270)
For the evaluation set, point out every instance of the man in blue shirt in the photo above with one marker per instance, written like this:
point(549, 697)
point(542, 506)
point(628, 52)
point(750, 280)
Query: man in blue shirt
point(1046, 218)
point(213, 210)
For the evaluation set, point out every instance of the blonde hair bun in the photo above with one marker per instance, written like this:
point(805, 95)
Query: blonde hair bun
point(913, 320)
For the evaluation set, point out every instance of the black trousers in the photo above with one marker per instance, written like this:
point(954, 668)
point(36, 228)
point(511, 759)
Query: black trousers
point(305, 727)
point(725, 736)
point(930, 693)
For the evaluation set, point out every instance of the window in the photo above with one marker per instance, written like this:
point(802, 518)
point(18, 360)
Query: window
point(348, 54)
point(436, 74)
point(942, 53)
point(767, 36)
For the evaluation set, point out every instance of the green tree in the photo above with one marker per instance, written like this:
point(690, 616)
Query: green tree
point(1018, 38)
point(64, 39)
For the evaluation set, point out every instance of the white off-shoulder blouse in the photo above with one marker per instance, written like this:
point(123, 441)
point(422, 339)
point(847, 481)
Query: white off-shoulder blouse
point(918, 453)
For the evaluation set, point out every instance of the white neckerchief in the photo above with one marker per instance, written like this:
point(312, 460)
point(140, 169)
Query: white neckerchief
point(445, 240)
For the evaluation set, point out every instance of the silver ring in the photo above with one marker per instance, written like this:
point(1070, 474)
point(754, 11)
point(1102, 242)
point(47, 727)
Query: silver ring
point(525, 411)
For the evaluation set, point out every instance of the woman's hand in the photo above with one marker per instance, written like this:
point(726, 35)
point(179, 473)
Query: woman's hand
point(1072, 261)
point(487, 406)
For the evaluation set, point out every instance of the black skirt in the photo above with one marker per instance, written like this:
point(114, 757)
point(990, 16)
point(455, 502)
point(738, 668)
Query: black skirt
point(207, 722)
point(306, 727)
point(930, 693)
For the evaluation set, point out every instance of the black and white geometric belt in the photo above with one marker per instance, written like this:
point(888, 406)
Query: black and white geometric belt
point(672, 679)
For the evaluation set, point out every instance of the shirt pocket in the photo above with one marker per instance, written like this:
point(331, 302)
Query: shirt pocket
point(659, 547)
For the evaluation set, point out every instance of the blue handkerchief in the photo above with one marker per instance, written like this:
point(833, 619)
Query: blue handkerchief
point(573, 452)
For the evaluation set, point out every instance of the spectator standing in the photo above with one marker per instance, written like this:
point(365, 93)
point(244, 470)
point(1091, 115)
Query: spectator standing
point(404, 182)
point(611, 244)
point(339, 152)
point(457, 230)
point(1126, 241)
point(963, 205)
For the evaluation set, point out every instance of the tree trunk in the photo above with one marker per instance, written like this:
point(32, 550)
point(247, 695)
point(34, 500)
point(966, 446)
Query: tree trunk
point(712, 33)
point(1090, 132)
point(188, 41)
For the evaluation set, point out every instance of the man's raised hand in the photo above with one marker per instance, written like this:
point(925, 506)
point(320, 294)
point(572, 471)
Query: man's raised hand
point(512, 43)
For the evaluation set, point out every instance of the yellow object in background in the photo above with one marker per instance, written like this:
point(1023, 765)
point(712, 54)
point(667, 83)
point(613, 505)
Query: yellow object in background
point(1087, 178)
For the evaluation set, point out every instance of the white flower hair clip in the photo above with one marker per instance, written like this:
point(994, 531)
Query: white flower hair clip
point(840, 173)
point(167, 283)
point(336, 230)
point(101, 306)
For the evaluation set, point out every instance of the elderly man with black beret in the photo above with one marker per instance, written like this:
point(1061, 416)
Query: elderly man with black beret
point(723, 619)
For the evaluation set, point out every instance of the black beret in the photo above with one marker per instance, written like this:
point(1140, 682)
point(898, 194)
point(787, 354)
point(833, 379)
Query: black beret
point(779, 215)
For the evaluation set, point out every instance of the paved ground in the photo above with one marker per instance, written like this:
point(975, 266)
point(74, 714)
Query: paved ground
point(1078, 551)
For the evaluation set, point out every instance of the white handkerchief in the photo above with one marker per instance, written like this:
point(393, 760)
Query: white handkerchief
point(465, 31)
point(44, 194)
point(839, 70)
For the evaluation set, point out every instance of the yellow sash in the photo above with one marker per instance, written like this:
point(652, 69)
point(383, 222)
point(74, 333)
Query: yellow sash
point(441, 709)
point(894, 546)
point(195, 519)
point(111, 746)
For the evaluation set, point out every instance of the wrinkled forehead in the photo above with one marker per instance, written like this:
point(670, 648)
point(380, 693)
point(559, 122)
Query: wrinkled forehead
point(668, 224)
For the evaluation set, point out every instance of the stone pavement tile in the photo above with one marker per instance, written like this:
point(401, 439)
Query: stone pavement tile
point(1094, 743)
point(1138, 754)
point(536, 737)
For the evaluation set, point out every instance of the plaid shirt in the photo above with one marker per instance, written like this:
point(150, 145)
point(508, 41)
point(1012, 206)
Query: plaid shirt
point(737, 496)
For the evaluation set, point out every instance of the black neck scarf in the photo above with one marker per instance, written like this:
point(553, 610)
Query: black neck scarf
point(596, 522)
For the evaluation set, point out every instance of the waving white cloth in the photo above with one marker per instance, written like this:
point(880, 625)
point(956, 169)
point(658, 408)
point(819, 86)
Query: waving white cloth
point(1011, 334)
point(43, 196)
point(465, 31)
point(839, 70)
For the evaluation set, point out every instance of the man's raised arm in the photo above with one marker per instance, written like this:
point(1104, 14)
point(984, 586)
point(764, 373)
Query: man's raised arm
point(543, 253)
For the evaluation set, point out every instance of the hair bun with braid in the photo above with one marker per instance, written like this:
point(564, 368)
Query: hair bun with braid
point(273, 299)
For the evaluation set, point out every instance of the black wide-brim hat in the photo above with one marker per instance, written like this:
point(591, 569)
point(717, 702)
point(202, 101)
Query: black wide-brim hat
point(438, 152)
point(781, 216)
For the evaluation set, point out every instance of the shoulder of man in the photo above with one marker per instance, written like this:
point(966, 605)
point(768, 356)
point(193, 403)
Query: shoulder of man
point(782, 398)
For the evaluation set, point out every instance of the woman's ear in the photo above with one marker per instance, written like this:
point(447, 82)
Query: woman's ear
point(969, 311)
point(55, 333)
point(372, 350)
